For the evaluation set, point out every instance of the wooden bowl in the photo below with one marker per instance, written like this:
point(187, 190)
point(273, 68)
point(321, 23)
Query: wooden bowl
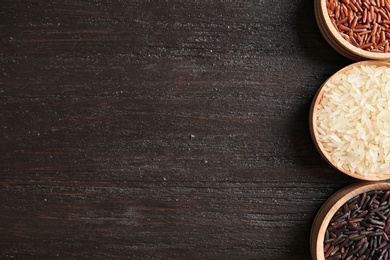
point(333, 37)
point(313, 123)
point(330, 207)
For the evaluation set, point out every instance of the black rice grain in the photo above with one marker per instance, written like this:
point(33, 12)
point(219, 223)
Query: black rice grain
point(360, 229)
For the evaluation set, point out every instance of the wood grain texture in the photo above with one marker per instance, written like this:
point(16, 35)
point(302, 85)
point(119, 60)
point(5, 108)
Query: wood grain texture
point(160, 130)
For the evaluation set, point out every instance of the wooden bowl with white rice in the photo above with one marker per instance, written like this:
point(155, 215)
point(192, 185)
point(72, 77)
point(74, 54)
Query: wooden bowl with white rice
point(350, 120)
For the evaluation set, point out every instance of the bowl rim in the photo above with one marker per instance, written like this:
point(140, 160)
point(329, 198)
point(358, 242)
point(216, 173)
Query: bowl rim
point(347, 45)
point(327, 35)
point(313, 122)
point(329, 208)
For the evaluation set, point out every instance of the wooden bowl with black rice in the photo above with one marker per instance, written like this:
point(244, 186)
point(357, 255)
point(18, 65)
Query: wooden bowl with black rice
point(354, 223)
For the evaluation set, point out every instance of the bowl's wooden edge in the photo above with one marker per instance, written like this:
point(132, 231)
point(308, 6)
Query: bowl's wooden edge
point(328, 36)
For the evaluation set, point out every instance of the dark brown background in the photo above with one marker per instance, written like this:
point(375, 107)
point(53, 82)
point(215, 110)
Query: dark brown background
point(160, 130)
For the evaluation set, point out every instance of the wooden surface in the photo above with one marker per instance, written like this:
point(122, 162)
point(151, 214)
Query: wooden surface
point(161, 129)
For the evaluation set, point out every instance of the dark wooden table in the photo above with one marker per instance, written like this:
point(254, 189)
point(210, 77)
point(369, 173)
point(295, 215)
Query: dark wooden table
point(160, 129)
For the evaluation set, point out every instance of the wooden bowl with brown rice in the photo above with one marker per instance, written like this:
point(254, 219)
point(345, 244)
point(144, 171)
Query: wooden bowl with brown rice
point(359, 30)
